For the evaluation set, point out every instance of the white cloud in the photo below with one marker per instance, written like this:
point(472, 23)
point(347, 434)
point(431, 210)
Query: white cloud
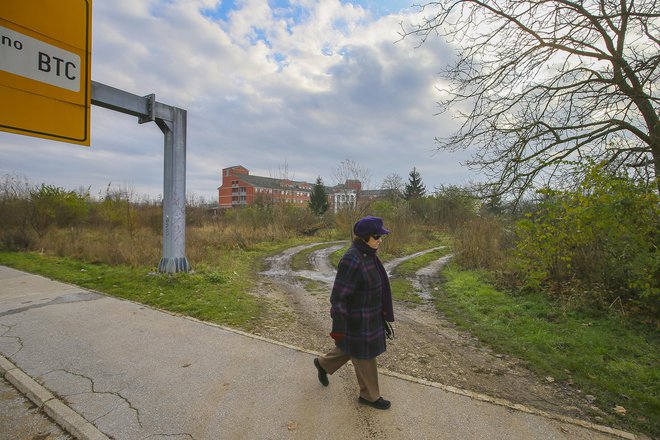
point(311, 85)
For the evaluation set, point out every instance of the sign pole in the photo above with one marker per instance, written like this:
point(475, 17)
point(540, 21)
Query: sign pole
point(174, 194)
point(172, 122)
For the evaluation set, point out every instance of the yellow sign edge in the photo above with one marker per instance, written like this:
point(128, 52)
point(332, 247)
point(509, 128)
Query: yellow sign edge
point(84, 140)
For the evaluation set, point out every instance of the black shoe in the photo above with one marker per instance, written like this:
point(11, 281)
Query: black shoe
point(378, 404)
point(323, 376)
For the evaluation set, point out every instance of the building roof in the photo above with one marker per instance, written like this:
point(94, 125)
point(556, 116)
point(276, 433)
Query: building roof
point(373, 192)
point(351, 185)
point(270, 182)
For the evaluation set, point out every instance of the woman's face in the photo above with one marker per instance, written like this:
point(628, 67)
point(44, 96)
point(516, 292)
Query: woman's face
point(374, 241)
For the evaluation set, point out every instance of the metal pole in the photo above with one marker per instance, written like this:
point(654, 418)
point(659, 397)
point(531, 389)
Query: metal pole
point(174, 194)
point(172, 122)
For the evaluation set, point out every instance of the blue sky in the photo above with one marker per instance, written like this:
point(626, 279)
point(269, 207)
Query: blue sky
point(382, 7)
point(293, 8)
point(300, 85)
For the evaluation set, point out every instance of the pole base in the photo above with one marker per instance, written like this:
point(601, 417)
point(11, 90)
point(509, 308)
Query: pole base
point(173, 265)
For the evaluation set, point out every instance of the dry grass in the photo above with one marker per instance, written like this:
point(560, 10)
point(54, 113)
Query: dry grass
point(479, 243)
point(111, 246)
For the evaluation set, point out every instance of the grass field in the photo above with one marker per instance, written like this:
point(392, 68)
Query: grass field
point(604, 355)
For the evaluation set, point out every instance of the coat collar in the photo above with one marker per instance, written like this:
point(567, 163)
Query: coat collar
point(364, 247)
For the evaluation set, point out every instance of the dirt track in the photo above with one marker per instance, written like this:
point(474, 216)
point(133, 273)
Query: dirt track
point(426, 346)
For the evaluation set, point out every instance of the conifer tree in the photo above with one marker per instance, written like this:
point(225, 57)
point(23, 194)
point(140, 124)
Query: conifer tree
point(414, 188)
point(318, 199)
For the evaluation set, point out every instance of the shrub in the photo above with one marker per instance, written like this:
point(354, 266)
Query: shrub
point(115, 209)
point(601, 237)
point(449, 206)
point(16, 239)
point(51, 205)
point(480, 243)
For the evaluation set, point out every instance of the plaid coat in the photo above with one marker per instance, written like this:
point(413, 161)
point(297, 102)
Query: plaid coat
point(357, 305)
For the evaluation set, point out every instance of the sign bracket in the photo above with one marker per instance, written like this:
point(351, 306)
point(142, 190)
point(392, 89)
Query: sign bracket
point(151, 108)
point(172, 121)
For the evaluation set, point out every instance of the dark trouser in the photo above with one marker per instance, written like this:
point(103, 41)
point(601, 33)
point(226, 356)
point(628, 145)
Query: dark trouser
point(365, 370)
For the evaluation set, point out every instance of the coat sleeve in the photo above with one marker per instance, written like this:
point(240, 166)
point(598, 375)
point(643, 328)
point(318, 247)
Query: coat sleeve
point(346, 283)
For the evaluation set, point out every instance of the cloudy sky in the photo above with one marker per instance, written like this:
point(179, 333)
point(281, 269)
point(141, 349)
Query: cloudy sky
point(273, 85)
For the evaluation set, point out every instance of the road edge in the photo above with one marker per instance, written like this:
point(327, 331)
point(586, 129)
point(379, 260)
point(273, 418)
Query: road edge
point(56, 409)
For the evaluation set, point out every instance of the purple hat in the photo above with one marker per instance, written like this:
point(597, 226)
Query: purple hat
point(369, 226)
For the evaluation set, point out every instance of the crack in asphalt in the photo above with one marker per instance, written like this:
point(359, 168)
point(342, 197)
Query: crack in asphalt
point(18, 339)
point(64, 299)
point(181, 434)
point(95, 391)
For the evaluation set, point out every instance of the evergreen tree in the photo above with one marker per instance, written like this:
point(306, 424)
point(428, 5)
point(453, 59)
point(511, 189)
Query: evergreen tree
point(318, 199)
point(414, 188)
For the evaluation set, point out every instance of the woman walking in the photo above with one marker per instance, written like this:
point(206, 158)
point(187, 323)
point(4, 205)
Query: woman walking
point(361, 302)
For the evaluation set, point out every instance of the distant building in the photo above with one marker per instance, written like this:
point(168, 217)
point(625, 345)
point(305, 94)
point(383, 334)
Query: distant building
point(239, 188)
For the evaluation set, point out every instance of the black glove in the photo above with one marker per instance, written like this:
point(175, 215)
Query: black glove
point(389, 330)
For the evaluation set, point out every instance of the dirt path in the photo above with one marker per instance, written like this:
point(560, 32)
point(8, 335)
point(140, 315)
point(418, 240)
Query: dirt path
point(427, 345)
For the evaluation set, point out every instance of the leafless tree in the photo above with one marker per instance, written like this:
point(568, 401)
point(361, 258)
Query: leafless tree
point(351, 179)
point(543, 86)
point(284, 176)
point(14, 187)
point(393, 186)
point(350, 169)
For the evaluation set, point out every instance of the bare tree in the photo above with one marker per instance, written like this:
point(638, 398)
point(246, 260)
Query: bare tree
point(349, 169)
point(393, 186)
point(285, 177)
point(544, 86)
point(351, 179)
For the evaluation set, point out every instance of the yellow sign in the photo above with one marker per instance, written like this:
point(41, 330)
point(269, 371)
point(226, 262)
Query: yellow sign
point(45, 68)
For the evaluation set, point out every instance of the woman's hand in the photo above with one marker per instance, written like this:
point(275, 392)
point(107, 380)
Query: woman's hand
point(337, 336)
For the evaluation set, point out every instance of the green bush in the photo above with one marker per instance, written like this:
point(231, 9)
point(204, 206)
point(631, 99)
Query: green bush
point(51, 205)
point(115, 210)
point(600, 237)
point(449, 206)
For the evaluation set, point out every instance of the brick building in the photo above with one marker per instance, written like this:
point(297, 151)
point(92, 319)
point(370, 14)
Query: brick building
point(240, 188)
